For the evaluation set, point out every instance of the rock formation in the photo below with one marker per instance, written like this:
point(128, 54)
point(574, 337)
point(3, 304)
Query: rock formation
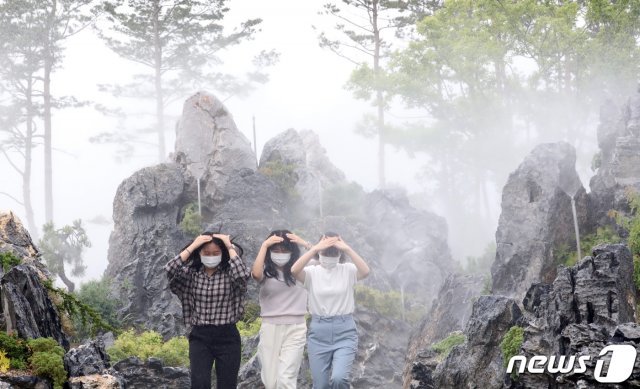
point(450, 312)
point(536, 219)
point(405, 247)
point(587, 307)
point(26, 307)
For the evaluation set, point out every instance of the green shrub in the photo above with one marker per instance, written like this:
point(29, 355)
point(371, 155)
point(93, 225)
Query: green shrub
point(47, 360)
point(9, 260)
point(248, 329)
point(16, 349)
point(282, 174)
point(175, 352)
point(70, 304)
point(510, 345)
point(444, 346)
point(5, 363)
point(568, 256)
point(99, 296)
point(191, 223)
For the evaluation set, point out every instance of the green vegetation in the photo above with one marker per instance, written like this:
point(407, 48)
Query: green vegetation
point(191, 223)
point(248, 329)
point(47, 360)
point(282, 174)
point(174, 352)
point(632, 224)
point(5, 363)
point(99, 296)
point(9, 260)
point(444, 346)
point(16, 349)
point(568, 256)
point(389, 304)
point(510, 345)
point(70, 304)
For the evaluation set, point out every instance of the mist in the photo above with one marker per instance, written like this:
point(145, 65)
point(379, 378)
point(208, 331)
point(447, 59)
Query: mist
point(305, 90)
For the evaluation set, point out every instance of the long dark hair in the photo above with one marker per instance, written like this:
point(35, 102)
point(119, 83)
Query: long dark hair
point(196, 262)
point(271, 269)
point(331, 251)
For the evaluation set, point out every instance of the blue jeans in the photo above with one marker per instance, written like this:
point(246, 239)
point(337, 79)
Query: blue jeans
point(332, 346)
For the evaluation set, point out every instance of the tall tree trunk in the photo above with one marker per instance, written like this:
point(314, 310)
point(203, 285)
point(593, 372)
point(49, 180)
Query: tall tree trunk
point(68, 283)
point(158, 82)
point(379, 96)
point(26, 176)
point(48, 66)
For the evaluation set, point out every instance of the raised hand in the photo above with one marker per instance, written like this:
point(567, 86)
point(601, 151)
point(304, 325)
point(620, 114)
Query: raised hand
point(325, 243)
point(297, 240)
point(341, 245)
point(273, 239)
point(226, 239)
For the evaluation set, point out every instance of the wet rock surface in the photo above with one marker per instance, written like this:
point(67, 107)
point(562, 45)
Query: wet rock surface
point(26, 306)
point(137, 374)
point(450, 312)
point(536, 219)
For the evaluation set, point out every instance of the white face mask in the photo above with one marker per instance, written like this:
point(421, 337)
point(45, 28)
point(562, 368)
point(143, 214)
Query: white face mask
point(329, 262)
point(280, 259)
point(211, 261)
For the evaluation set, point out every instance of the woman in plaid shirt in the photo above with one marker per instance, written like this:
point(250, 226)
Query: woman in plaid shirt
point(210, 279)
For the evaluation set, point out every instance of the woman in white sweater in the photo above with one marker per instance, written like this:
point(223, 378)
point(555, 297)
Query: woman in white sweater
point(333, 338)
point(283, 305)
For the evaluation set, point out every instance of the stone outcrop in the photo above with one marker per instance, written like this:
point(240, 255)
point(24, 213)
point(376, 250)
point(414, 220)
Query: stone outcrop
point(587, 307)
point(151, 373)
point(150, 204)
point(405, 247)
point(580, 312)
point(450, 312)
point(26, 307)
point(618, 160)
point(536, 219)
point(90, 358)
point(300, 154)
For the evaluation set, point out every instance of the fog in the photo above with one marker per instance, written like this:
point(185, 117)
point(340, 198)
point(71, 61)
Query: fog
point(305, 91)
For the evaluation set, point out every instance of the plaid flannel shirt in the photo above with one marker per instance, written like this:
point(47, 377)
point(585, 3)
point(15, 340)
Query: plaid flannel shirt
point(216, 299)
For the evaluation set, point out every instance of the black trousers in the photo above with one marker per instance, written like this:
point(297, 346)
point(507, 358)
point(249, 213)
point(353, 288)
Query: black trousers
point(209, 343)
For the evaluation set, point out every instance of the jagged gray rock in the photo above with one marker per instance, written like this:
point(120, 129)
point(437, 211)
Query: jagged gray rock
point(32, 313)
point(586, 306)
point(536, 218)
point(209, 144)
point(145, 236)
point(27, 381)
point(87, 359)
point(619, 163)
point(450, 312)
point(137, 374)
point(313, 172)
point(478, 361)
point(26, 306)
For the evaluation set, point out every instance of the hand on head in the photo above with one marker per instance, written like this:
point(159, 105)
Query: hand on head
point(273, 239)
